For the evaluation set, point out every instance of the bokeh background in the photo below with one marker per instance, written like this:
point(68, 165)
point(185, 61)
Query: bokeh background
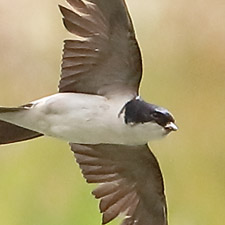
point(183, 45)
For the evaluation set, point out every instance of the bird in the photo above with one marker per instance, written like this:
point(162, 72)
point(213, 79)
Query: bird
point(98, 110)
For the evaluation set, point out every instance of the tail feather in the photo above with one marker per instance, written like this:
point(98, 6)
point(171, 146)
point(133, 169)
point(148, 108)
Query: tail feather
point(15, 109)
point(10, 133)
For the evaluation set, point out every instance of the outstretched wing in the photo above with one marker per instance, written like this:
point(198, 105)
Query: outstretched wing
point(130, 182)
point(104, 57)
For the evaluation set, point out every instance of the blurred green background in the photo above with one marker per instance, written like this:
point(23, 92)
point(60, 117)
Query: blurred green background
point(183, 45)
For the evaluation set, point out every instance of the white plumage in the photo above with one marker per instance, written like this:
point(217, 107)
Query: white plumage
point(84, 119)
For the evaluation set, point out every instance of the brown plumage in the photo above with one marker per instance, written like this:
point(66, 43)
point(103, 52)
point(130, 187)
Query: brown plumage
point(130, 182)
point(10, 133)
point(104, 57)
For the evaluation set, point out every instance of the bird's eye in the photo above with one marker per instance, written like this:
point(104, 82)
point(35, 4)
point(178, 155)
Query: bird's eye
point(155, 115)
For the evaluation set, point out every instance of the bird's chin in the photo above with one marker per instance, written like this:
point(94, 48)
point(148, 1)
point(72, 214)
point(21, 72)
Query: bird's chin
point(156, 132)
point(161, 132)
point(166, 132)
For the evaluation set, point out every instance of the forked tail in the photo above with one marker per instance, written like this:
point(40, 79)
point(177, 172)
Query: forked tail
point(10, 133)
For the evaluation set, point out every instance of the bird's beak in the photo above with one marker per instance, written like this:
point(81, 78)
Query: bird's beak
point(171, 126)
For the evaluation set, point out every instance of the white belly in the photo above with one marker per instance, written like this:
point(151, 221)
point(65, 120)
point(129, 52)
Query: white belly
point(85, 119)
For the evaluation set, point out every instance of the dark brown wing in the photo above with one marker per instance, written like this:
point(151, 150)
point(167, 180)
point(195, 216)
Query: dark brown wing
point(130, 182)
point(104, 57)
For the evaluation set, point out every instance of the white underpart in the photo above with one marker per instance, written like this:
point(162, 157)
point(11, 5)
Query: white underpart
point(84, 119)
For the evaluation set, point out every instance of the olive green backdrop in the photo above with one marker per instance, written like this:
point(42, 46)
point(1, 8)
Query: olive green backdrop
point(183, 45)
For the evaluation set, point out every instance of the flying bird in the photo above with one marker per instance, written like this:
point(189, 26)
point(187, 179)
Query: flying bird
point(98, 110)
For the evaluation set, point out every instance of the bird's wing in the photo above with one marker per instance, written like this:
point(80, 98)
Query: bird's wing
point(130, 180)
point(104, 57)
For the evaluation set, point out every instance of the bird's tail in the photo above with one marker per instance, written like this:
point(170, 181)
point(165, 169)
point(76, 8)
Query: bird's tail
point(10, 133)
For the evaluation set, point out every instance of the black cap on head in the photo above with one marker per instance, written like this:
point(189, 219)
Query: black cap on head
point(139, 111)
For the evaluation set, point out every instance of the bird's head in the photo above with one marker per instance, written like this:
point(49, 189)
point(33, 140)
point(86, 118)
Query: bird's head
point(159, 120)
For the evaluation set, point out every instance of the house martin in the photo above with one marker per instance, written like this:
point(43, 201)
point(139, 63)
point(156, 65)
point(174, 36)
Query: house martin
point(98, 110)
